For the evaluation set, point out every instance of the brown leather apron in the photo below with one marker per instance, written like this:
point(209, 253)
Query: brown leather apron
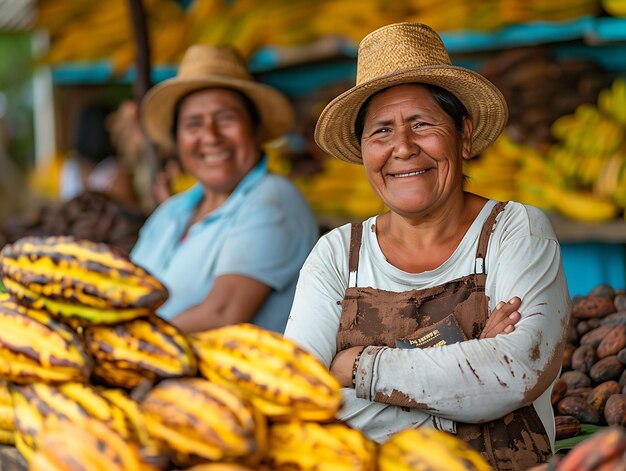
point(371, 316)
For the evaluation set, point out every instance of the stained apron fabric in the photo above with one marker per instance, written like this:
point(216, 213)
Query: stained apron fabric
point(518, 440)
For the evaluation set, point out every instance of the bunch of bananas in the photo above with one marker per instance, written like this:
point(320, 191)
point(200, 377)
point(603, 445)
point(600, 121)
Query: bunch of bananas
point(340, 189)
point(581, 176)
point(106, 392)
point(589, 158)
point(83, 30)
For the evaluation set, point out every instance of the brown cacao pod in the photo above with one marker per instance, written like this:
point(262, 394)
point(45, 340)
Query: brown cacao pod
point(576, 379)
point(579, 408)
point(621, 355)
point(558, 391)
point(579, 392)
point(593, 306)
point(622, 379)
point(620, 301)
point(615, 410)
point(599, 395)
point(582, 327)
point(615, 319)
point(604, 290)
point(595, 336)
point(583, 358)
point(613, 342)
point(568, 350)
point(606, 369)
point(566, 426)
point(591, 454)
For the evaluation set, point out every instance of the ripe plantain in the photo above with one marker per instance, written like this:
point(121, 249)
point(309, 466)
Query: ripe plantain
point(142, 349)
point(308, 446)
point(198, 421)
point(36, 347)
point(7, 416)
point(35, 403)
point(280, 378)
point(73, 271)
point(86, 445)
point(428, 448)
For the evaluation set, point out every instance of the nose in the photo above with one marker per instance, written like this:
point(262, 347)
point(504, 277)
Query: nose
point(404, 144)
point(210, 133)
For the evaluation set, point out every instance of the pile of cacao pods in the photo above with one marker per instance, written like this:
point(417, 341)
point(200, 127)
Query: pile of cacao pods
point(592, 385)
point(92, 379)
point(93, 216)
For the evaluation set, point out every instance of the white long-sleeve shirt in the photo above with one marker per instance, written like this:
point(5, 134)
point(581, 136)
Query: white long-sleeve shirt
point(473, 381)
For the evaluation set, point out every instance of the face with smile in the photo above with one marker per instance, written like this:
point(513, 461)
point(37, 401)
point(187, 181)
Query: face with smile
point(412, 152)
point(217, 141)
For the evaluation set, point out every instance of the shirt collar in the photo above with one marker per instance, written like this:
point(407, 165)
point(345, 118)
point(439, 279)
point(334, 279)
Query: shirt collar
point(249, 181)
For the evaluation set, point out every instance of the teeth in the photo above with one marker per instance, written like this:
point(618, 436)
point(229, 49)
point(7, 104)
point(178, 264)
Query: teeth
point(216, 157)
point(409, 174)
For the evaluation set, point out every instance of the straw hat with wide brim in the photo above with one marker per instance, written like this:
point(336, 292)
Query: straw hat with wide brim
point(408, 53)
point(204, 66)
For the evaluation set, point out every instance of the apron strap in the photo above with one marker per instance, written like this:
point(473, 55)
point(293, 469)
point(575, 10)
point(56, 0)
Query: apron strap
point(355, 248)
point(485, 234)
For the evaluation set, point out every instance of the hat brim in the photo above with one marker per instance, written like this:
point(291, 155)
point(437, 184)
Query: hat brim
point(335, 129)
point(275, 110)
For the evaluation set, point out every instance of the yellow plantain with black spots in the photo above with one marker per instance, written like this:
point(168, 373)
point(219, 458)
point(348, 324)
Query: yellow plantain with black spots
point(148, 348)
point(428, 448)
point(280, 378)
point(198, 421)
point(35, 403)
point(79, 278)
point(311, 446)
point(36, 347)
point(7, 416)
point(86, 445)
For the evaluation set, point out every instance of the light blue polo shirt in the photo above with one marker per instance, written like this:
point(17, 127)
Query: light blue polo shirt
point(264, 230)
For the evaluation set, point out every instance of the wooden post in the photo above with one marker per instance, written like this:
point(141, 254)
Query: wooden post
point(143, 80)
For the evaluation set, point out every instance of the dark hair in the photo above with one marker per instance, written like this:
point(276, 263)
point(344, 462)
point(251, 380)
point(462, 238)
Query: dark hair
point(444, 98)
point(249, 105)
point(93, 141)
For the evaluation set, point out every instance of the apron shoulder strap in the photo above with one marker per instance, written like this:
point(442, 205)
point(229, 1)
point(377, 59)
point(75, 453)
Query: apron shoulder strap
point(355, 248)
point(485, 234)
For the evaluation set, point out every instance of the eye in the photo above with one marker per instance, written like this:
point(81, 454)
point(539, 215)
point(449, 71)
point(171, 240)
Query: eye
point(381, 131)
point(420, 124)
point(190, 124)
point(226, 116)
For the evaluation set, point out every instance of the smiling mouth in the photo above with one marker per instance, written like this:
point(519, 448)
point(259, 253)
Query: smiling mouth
point(408, 174)
point(217, 157)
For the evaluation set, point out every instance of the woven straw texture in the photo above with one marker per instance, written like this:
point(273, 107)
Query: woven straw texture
point(205, 66)
point(408, 53)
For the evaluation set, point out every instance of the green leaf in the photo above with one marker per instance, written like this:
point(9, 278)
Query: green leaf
point(586, 430)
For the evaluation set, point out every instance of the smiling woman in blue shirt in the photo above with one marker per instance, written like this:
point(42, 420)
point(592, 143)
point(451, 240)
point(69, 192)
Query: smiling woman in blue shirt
point(230, 248)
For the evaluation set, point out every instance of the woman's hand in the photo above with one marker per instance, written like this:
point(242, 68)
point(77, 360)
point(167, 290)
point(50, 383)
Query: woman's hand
point(341, 367)
point(503, 319)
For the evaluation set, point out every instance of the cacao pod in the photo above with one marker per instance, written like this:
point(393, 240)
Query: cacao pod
point(280, 378)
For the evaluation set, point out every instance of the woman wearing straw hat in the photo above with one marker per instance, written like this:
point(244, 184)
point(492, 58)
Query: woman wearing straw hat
point(371, 297)
point(229, 249)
